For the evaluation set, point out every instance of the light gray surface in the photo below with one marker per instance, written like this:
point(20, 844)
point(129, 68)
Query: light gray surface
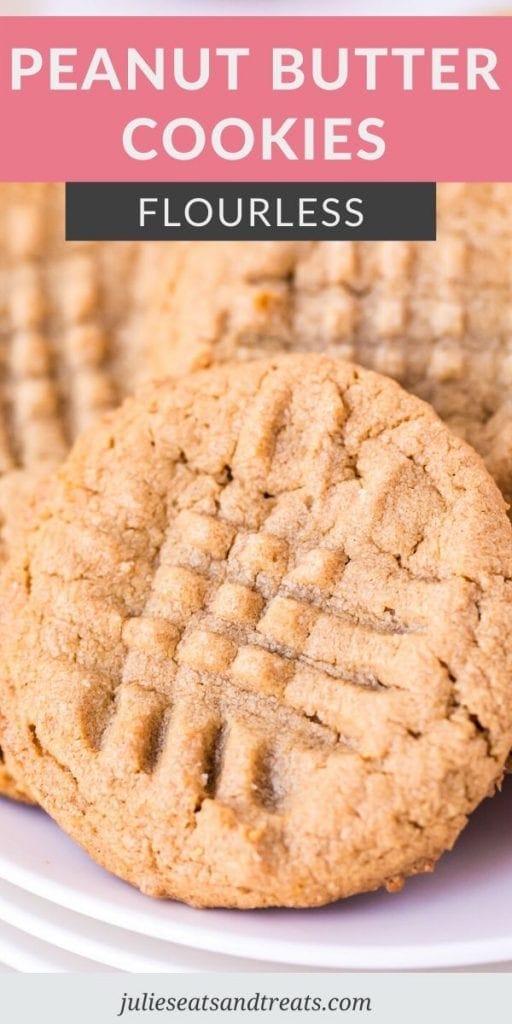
point(419, 998)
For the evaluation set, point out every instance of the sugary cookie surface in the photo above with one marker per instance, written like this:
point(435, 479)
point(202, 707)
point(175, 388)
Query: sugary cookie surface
point(254, 637)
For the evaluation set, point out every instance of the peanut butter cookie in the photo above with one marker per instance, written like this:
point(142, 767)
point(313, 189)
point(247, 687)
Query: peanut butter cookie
point(69, 348)
point(19, 492)
point(436, 316)
point(254, 637)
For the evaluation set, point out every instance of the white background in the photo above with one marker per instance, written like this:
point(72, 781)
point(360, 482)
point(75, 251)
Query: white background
point(288, 7)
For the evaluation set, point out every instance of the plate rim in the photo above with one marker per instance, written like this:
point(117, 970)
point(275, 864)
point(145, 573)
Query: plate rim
point(71, 936)
point(210, 939)
point(14, 954)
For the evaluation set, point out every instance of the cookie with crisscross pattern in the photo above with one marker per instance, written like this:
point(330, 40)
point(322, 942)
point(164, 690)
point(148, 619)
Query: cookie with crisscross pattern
point(69, 340)
point(436, 316)
point(254, 636)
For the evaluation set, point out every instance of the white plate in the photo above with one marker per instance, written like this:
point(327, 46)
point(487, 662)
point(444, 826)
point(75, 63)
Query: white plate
point(114, 947)
point(21, 952)
point(456, 917)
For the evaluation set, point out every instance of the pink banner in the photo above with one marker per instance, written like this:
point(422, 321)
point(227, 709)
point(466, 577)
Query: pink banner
point(255, 99)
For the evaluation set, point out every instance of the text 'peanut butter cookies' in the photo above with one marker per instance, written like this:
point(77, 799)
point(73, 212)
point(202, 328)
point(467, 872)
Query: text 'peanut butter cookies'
point(254, 638)
point(436, 316)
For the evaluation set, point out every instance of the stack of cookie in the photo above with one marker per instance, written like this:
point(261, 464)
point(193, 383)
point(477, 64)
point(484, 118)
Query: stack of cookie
point(254, 628)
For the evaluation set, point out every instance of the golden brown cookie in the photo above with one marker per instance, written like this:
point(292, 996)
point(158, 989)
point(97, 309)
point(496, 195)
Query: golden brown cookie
point(254, 637)
point(65, 326)
point(436, 316)
point(20, 490)
point(8, 787)
point(69, 338)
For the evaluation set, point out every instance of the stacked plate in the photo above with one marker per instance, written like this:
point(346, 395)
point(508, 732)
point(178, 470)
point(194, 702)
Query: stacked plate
point(60, 912)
